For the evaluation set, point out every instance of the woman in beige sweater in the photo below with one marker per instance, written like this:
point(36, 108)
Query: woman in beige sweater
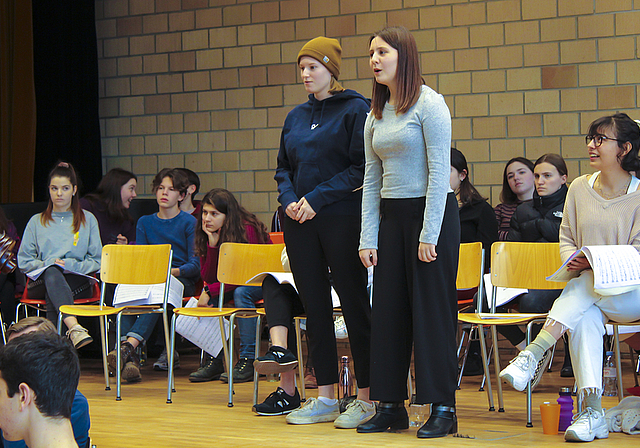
point(601, 209)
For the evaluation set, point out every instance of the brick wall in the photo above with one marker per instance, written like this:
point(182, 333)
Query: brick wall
point(206, 84)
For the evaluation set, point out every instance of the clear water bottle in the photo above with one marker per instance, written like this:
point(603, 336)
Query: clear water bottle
point(565, 400)
point(609, 380)
point(345, 384)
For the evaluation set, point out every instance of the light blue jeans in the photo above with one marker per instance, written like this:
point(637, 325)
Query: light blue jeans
point(246, 297)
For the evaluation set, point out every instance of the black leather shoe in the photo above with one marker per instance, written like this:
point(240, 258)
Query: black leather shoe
point(443, 421)
point(388, 416)
point(566, 372)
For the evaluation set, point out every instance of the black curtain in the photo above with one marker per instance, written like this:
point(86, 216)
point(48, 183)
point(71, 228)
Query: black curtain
point(66, 85)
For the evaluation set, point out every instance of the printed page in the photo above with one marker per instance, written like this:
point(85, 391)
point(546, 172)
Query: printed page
point(503, 295)
point(148, 294)
point(287, 277)
point(33, 275)
point(614, 267)
point(203, 332)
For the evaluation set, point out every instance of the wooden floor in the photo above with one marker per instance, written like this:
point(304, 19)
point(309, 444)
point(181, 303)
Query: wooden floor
point(199, 416)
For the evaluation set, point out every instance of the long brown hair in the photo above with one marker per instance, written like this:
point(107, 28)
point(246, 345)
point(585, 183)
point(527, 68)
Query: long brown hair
point(507, 196)
point(408, 78)
point(65, 169)
point(233, 228)
point(468, 193)
point(109, 193)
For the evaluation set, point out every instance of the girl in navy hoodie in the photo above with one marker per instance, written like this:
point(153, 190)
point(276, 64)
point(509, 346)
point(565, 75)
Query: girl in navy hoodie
point(319, 175)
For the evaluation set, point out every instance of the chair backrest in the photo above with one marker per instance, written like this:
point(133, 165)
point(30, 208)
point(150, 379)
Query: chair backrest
point(277, 237)
point(238, 262)
point(524, 265)
point(135, 265)
point(470, 266)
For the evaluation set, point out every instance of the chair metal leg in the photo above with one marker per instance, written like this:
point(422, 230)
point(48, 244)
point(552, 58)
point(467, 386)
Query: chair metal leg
point(496, 360)
point(170, 354)
point(484, 376)
point(232, 320)
point(118, 358)
point(167, 339)
point(616, 343)
point(485, 367)
point(300, 361)
point(465, 336)
point(103, 335)
point(255, 372)
point(529, 410)
point(635, 366)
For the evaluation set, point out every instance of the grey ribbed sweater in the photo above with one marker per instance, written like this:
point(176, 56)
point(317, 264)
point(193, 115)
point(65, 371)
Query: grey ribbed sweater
point(407, 156)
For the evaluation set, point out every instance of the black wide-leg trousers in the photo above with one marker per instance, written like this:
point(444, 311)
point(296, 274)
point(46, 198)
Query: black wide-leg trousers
point(314, 247)
point(414, 301)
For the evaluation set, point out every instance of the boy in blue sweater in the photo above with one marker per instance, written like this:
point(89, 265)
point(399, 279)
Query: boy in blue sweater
point(169, 226)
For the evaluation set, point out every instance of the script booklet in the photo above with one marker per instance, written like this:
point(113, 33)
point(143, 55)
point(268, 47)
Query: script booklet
point(134, 295)
point(616, 268)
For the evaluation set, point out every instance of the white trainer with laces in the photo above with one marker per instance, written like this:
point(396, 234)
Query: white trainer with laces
point(357, 412)
point(586, 426)
point(314, 411)
point(520, 370)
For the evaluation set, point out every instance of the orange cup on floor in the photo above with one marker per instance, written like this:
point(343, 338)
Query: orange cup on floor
point(550, 413)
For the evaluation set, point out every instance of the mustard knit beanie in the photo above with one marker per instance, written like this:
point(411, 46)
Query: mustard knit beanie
point(326, 51)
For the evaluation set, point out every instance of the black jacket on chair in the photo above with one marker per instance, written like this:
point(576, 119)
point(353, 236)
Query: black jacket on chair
point(538, 220)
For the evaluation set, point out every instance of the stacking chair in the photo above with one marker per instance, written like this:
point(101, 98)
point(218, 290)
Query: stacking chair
point(616, 339)
point(515, 265)
point(237, 263)
point(470, 272)
point(127, 264)
point(40, 305)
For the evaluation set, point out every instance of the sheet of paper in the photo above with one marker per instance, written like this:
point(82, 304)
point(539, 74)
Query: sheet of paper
point(503, 295)
point(33, 275)
point(148, 294)
point(203, 332)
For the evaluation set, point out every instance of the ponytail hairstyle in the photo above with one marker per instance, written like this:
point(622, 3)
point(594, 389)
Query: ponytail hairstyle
point(65, 169)
point(408, 79)
point(507, 196)
point(233, 228)
point(627, 131)
point(109, 193)
point(467, 191)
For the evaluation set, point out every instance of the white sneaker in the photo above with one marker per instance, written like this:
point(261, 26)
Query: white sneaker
point(357, 412)
point(314, 411)
point(541, 367)
point(586, 426)
point(520, 370)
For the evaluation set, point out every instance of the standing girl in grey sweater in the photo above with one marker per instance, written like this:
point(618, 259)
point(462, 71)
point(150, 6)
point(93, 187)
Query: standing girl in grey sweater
point(62, 238)
point(411, 234)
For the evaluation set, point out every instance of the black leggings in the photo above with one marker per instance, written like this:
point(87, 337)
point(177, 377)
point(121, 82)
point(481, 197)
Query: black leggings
point(282, 304)
point(313, 247)
point(59, 289)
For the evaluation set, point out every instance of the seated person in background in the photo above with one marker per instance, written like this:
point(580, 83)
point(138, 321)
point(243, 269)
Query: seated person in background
point(477, 218)
point(602, 208)
point(39, 375)
point(168, 226)
point(517, 187)
point(8, 281)
point(80, 419)
point(282, 304)
point(538, 221)
point(477, 223)
point(110, 205)
point(63, 237)
point(224, 220)
point(189, 203)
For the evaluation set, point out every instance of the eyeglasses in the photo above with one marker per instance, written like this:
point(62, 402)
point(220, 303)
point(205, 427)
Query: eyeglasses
point(598, 139)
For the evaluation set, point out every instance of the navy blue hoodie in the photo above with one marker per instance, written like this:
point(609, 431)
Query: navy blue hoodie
point(321, 154)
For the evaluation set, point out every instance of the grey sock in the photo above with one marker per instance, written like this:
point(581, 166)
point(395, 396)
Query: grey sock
point(541, 344)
